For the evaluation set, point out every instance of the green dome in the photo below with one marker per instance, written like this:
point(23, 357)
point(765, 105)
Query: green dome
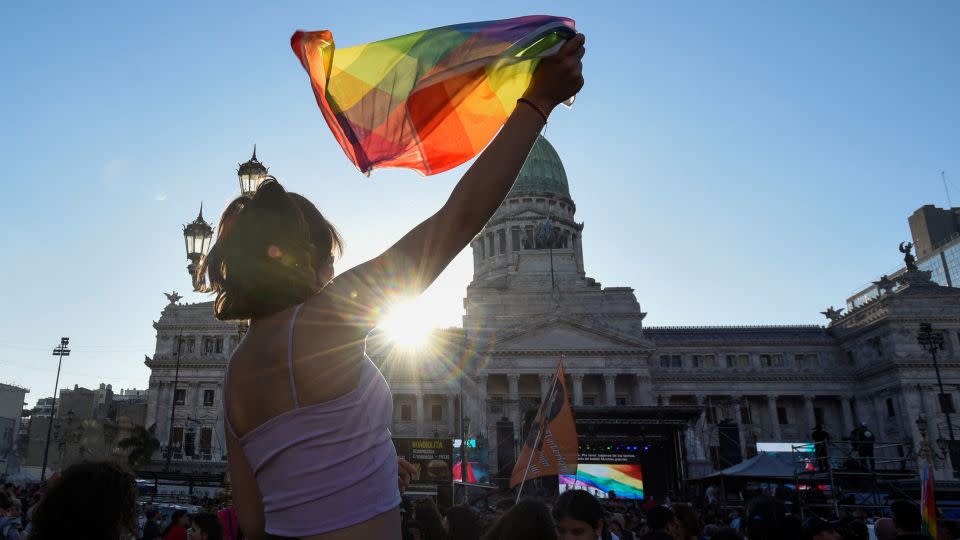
point(542, 173)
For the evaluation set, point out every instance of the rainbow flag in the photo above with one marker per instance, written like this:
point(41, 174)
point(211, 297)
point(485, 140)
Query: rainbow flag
point(429, 100)
point(928, 502)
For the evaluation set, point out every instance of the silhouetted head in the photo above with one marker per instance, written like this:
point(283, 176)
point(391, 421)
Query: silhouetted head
point(273, 251)
point(529, 519)
point(578, 514)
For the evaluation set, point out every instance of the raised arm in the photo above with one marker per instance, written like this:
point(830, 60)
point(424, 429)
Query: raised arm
point(414, 262)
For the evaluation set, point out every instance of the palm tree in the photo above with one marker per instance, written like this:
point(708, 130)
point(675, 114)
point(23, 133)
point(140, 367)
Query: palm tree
point(142, 445)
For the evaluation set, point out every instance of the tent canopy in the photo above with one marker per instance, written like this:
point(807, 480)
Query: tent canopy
point(773, 466)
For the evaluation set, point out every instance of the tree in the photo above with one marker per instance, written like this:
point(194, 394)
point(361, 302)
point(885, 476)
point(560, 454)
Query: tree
point(141, 445)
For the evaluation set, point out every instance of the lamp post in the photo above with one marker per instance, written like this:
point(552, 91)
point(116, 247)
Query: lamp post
point(932, 342)
point(197, 236)
point(60, 351)
point(251, 175)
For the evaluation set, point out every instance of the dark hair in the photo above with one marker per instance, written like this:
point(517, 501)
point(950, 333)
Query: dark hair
point(462, 524)
point(659, 517)
point(98, 498)
point(174, 517)
point(428, 516)
point(764, 519)
point(527, 520)
point(209, 524)
point(6, 501)
point(906, 516)
point(579, 505)
point(268, 250)
point(689, 521)
point(505, 504)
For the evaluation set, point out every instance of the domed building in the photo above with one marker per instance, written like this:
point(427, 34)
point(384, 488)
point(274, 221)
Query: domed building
point(694, 399)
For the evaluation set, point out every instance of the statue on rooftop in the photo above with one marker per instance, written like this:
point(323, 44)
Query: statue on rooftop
point(833, 314)
point(173, 297)
point(908, 259)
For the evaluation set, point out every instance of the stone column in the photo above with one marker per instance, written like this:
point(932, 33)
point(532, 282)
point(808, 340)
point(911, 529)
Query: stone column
point(481, 404)
point(701, 437)
point(513, 382)
point(909, 411)
point(739, 403)
point(197, 399)
point(545, 381)
point(421, 417)
point(643, 391)
point(509, 230)
point(609, 388)
point(774, 419)
point(577, 389)
point(847, 414)
point(153, 400)
point(808, 411)
point(451, 415)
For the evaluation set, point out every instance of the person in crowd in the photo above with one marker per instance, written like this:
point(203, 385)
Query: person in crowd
point(884, 529)
point(205, 526)
point(327, 462)
point(906, 520)
point(735, 520)
point(462, 524)
point(820, 439)
point(578, 515)
point(502, 507)
point(765, 520)
point(428, 516)
point(617, 525)
point(229, 523)
point(864, 442)
point(662, 524)
point(151, 528)
point(10, 524)
point(858, 530)
point(712, 494)
point(96, 499)
point(689, 525)
point(527, 520)
point(816, 528)
point(726, 533)
point(177, 529)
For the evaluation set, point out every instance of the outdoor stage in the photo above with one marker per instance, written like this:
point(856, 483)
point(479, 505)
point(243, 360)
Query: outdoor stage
point(651, 437)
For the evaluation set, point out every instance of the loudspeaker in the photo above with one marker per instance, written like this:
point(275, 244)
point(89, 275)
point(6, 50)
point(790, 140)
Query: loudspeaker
point(506, 451)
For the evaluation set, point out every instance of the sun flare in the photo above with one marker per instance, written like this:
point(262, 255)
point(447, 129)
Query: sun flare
point(408, 324)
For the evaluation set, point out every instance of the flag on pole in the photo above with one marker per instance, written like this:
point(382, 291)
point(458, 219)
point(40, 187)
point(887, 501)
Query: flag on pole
point(429, 100)
point(552, 445)
point(928, 502)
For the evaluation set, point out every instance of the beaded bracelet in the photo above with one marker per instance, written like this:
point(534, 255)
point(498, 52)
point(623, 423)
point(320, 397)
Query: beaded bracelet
point(535, 107)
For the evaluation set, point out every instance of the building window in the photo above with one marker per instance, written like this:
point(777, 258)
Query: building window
point(206, 441)
point(406, 412)
point(704, 361)
point(738, 360)
point(496, 405)
point(515, 238)
point(771, 360)
point(807, 361)
point(877, 344)
point(850, 359)
point(213, 345)
point(502, 240)
point(208, 398)
point(436, 413)
point(711, 415)
point(782, 418)
point(818, 416)
point(621, 401)
point(491, 249)
point(528, 237)
point(671, 361)
point(946, 403)
point(589, 401)
point(190, 344)
point(177, 438)
point(180, 396)
point(891, 412)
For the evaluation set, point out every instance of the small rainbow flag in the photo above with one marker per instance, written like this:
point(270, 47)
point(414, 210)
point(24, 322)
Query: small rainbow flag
point(429, 100)
point(928, 502)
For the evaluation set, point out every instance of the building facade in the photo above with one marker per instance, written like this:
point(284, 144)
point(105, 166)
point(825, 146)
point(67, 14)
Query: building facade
point(531, 304)
point(11, 412)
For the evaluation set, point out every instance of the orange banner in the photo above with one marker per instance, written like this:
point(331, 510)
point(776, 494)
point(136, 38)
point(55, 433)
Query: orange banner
point(551, 447)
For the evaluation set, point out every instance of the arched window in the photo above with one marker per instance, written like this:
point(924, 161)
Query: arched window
point(502, 240)
point(515, 238)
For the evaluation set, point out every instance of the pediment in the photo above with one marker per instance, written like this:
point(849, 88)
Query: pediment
point(566, 335)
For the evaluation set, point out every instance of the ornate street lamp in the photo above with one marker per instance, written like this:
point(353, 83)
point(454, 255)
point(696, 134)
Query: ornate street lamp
point(251, 174)
point(197, 236)
point(932, 342)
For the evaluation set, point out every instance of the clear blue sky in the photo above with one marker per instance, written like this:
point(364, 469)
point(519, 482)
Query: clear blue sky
point(734, 162)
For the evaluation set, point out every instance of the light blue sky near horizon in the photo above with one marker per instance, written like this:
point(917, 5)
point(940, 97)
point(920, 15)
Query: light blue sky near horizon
point(734, 163)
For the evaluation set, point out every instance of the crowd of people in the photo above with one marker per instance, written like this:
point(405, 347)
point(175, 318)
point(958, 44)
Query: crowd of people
point(99, 500)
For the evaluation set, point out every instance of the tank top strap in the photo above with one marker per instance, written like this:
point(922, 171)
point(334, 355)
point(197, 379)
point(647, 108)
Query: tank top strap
point(226, 409)
point(293, 383)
